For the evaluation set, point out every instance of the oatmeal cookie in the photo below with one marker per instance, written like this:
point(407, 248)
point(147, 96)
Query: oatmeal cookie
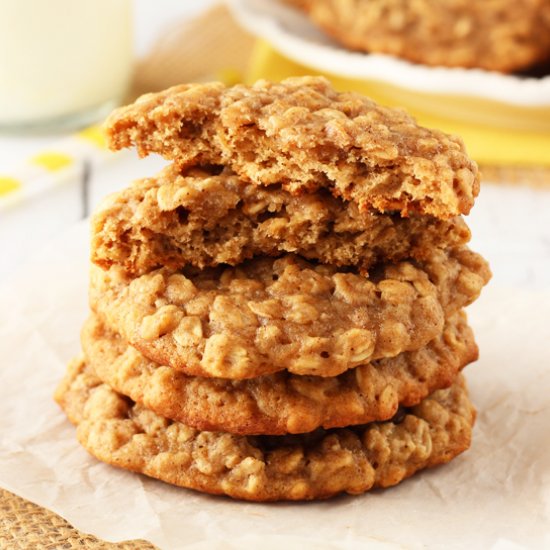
point(271, 314)
point(281, 403)
point(497, 35)
point(316, 465)
point(303, 135)
point(204, 219)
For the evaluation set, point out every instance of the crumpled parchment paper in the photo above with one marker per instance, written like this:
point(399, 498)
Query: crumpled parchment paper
point(496, 495)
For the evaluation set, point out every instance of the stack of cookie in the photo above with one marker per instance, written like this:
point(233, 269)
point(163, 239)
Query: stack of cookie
point(278, 313)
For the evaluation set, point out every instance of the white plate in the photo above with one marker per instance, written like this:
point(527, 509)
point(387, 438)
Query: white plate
point(294, 36)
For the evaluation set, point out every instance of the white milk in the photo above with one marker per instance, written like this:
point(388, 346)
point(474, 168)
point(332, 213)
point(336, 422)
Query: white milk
point(62, 58)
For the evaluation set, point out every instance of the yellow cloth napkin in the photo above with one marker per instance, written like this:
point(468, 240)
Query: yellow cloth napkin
point(506, 135)
point(57, 164)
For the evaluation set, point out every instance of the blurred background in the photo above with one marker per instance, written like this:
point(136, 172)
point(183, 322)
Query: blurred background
point(64, 65)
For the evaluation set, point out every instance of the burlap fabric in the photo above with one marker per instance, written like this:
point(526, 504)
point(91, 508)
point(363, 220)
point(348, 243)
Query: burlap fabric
point(26, 526)
point(535, 176)
point(210, 47)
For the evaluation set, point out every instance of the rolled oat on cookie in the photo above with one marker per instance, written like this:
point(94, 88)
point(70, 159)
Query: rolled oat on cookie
point(277, 315)
point(316, 465)
point(206, 217)
point(304, 136)
point(267, 314)
point(281, 403)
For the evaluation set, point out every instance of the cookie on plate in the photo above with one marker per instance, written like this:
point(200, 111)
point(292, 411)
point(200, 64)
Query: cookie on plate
point(497, 35)
point(315, 465)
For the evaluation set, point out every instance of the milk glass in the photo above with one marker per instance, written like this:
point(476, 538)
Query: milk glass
point(63, 63)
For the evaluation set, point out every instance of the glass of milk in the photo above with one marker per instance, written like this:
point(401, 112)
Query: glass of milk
point(63, 63)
